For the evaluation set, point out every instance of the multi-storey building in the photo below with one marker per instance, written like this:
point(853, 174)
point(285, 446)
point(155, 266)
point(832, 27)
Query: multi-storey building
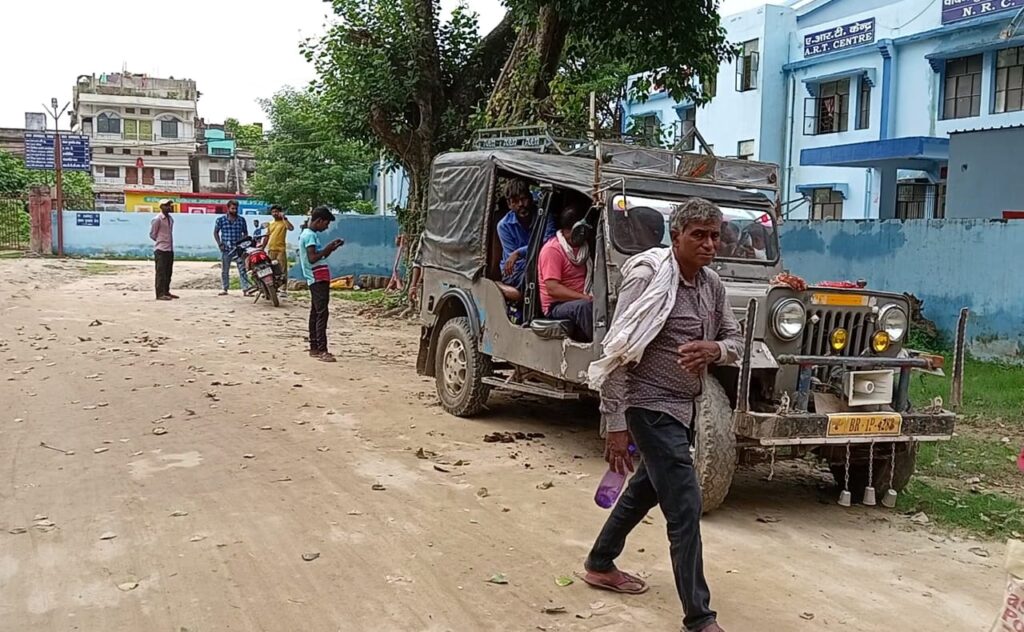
point(219, 164)
point(856, 100)
point(142, 132)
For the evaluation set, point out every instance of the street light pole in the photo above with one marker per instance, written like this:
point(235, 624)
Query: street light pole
point(58, 167)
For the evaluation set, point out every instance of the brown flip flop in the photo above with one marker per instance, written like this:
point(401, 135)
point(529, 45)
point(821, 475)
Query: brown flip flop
point(629, 584)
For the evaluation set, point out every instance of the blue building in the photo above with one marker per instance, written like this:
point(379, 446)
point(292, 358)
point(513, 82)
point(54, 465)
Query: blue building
point(856, 99)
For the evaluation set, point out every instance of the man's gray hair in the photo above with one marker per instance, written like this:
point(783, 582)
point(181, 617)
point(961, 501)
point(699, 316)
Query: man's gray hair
point(693, 210)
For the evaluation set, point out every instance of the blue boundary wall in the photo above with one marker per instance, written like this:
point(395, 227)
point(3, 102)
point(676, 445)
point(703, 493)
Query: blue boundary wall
point(948, 264)
point(369, 239)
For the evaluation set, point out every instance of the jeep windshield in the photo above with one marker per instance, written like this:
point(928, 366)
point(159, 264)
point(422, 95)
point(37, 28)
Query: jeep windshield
point(640, 223)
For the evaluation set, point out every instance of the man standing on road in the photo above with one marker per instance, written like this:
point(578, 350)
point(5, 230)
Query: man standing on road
point(277, 232)
point(227, 232)
point(161, 231)
point(672, 321)
point(313, 260)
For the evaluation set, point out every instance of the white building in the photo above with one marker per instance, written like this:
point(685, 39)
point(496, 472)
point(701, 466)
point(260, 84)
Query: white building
point(142, 132)
point(856, 99)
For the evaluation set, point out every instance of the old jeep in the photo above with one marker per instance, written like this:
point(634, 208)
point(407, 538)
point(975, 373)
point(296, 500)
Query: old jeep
point(824, 370)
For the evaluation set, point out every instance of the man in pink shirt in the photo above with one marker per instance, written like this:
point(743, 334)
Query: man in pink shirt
point(562, 269)
point(161, 231)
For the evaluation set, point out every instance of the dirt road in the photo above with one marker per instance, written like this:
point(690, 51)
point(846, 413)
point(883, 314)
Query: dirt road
point(269, 456)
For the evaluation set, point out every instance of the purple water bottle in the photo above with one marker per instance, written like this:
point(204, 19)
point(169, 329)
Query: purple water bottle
point(611, 486)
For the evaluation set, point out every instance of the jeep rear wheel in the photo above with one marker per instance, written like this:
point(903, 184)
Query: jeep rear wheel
point(460, 369)
point(906, 459)
point(715, 444)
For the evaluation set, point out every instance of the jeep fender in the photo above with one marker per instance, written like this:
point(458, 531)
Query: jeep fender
point(454, 302)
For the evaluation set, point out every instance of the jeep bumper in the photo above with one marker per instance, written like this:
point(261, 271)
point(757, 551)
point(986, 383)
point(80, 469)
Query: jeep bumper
point(776, 429)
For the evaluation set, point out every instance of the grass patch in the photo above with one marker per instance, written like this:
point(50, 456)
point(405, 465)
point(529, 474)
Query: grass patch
point(968, 455)
point(99, 267)
point(993, 515)
point(11, 254)
point(991, 390)
point(359, 296)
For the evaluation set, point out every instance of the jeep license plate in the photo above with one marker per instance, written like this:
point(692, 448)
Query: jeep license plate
point(860, 425)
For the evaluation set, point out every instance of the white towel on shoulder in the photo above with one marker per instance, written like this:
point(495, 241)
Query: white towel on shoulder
point(643, 319)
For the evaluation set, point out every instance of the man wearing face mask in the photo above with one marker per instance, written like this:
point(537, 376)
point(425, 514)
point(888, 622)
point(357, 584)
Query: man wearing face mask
point(563, 272)
point(514, 233)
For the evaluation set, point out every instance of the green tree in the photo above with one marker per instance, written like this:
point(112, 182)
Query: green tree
point(16, 181)
point(247, 136)
point(14, 177)
point(305, 161)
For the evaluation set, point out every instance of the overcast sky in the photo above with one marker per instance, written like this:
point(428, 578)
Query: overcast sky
point(236, 52)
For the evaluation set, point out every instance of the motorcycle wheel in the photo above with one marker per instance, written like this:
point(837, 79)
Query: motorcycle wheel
point(272, 294)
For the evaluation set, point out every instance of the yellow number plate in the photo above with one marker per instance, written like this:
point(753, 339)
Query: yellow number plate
point(858, 425)
point(841, 300)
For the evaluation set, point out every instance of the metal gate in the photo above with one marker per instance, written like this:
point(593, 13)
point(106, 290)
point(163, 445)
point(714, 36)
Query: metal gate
point(15, 224)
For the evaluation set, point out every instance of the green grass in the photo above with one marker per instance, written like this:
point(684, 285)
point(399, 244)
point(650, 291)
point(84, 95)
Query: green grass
point(359, 296)
point(11, 254)
point(967, 456)
point(99, 267)
point(993, 515)
point(991, 390)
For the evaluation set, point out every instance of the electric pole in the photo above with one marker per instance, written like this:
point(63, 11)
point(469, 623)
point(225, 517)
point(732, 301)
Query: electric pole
point(58, 168)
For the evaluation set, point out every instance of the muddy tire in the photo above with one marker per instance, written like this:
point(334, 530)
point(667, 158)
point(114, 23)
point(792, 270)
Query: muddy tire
point(906, 458)
point(714, 456)
point(460, 369)
point(272, 295)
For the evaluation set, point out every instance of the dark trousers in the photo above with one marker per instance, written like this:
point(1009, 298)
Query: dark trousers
point(320, 293)
point(664, 477)
point(581, 313)
point(164, 269)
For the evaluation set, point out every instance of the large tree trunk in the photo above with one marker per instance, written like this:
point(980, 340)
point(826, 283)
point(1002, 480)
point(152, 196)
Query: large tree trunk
point(520, 96)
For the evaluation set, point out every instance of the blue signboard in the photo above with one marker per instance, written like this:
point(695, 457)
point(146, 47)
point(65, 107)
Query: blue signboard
point(76, 154)
point(87, 219)
point(840, 38)
point(959, 10)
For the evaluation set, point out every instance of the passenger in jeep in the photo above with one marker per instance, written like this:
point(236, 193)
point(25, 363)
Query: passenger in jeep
point(514, 233)
point(564, 273)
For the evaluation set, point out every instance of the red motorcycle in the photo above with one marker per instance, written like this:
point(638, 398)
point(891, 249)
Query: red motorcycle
point(264, 273)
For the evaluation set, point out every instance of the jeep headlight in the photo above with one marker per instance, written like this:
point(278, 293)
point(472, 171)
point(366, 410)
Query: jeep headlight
point(893, 321)
point(788, 318)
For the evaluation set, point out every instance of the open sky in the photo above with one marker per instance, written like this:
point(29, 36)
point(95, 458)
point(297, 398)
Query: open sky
point(236, 52)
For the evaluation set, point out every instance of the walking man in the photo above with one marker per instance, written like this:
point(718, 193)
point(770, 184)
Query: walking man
point(227, 232)
point(672, 321)
point(277, 232)
point(313, 259)
point(161, 231)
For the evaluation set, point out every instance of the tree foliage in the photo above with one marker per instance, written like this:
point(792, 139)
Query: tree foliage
point(247, 136)
point(305, 161)
point(16, 181)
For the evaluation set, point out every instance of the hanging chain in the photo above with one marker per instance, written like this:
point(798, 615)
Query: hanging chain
point(771, 465)
point(892, 465)
point(871, 465)
point(846, 482)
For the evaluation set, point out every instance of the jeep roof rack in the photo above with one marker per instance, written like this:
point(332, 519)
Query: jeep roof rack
point(627, 154)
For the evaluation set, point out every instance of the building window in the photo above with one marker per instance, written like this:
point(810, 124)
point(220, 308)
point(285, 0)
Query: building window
point(220, 151)
point(167, 174)
point(126, 152)
point(745, 150)
point(218, 176)
point(129, 110)
point(864, 105)
point(826, 204)
point(747, 65)
point(131, 175)
point(131, 129)
point(147, 175)
point(646, 126)
point(111, 172)
point(147, 152)
point(833, 107)
point(911, 200)
point(144, 111)
point(169, 129)
point(163, 153)
point(962, 96)
point(1010, 80)
point(108, 124)
point(710, 86)
point(688, 123)
point(108, 150)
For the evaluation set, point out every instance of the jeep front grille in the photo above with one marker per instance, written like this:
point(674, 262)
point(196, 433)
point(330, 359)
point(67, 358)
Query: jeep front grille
point(858, 324)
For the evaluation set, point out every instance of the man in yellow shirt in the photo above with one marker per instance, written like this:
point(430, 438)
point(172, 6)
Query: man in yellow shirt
point(277, 232)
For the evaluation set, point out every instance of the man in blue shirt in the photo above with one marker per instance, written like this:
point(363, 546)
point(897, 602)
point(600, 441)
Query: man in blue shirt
point(227, 232)
point(514, 232)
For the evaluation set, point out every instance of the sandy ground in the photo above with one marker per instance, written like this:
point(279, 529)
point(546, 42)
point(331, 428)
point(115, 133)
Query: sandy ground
point(269, 456)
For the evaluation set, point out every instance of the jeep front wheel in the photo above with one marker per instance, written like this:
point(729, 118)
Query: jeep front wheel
point(714, 456)
point(460, 369)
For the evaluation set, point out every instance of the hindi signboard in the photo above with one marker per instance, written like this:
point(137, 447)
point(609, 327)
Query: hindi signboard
point(851, 35)
point(76, 154)
point(960, 10)
point(87, 219)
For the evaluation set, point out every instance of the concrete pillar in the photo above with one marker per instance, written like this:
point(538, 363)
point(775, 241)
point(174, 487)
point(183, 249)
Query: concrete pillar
point(40, 208)
point(887, 193)
point(930, 201)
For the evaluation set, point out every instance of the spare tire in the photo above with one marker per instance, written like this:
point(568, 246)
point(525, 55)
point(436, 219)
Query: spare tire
point(714, 454)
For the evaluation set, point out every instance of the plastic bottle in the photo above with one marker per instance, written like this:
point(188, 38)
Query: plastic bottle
point(611, 486)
